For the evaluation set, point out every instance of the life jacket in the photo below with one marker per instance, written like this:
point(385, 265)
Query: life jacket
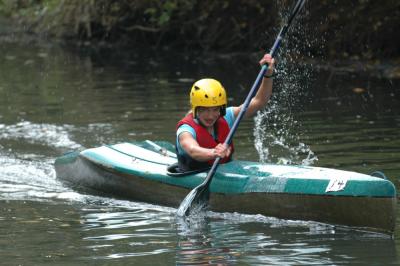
point(205, 140)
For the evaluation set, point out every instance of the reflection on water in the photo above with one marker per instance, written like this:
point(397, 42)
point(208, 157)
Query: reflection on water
point(102, 231)
point(202, 242)
point(53, 101)
point(138, 233)
point(245, 239)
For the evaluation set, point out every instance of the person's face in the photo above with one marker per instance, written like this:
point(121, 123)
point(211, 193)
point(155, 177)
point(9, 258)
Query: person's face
point(208, 115)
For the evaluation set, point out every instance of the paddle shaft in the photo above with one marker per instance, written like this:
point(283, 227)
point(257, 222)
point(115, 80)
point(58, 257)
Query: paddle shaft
point(198, 191)
point(254, 89)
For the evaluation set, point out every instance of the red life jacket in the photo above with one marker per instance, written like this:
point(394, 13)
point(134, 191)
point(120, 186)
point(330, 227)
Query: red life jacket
point(205, 140)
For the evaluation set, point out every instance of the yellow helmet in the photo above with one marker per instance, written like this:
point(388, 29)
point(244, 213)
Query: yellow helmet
point(208, 93)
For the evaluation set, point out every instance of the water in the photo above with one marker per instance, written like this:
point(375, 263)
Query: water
point(53, 100)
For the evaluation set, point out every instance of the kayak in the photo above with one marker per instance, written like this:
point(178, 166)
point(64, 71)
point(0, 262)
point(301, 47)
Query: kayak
point(143, 171)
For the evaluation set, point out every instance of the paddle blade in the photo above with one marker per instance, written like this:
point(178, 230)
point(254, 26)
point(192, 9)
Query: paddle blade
point(198, 196)
point(186, 203)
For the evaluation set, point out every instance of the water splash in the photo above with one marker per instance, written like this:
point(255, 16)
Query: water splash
point(277, 132)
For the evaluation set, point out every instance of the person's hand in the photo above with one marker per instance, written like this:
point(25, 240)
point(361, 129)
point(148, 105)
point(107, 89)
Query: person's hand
point(222, 150)
point(267, 59)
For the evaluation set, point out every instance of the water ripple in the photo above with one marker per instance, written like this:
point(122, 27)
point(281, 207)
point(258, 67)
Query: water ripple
point(48, 134)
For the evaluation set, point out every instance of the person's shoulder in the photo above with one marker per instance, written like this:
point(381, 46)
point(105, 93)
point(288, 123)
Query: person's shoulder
point(185, 128)
point(229, 109)
point(230, 115)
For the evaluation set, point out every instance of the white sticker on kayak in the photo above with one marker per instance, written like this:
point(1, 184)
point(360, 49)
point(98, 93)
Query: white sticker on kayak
point(336, 184)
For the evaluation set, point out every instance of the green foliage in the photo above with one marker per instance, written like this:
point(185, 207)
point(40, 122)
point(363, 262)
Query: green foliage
point(363, 28)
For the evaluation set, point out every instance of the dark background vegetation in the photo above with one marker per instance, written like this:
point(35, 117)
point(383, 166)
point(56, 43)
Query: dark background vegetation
point(350, 29)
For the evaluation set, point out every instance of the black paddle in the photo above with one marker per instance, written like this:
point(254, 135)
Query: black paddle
point(201, 192)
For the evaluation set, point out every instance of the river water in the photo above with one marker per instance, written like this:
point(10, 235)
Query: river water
point(56, 99)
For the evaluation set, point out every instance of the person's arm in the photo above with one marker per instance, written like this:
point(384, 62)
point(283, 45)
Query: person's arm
point(263, 94)
point(193, 149)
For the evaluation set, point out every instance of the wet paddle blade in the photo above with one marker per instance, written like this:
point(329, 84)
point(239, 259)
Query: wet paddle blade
point(186, 203)
point(198, 196)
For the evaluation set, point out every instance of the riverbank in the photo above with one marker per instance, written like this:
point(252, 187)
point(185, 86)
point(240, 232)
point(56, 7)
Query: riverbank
point(356, 29)
point(12, 31)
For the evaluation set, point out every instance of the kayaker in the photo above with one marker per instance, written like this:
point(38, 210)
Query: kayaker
point(201, 133)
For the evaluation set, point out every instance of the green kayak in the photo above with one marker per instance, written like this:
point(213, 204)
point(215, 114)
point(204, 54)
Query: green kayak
point(139, 171)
